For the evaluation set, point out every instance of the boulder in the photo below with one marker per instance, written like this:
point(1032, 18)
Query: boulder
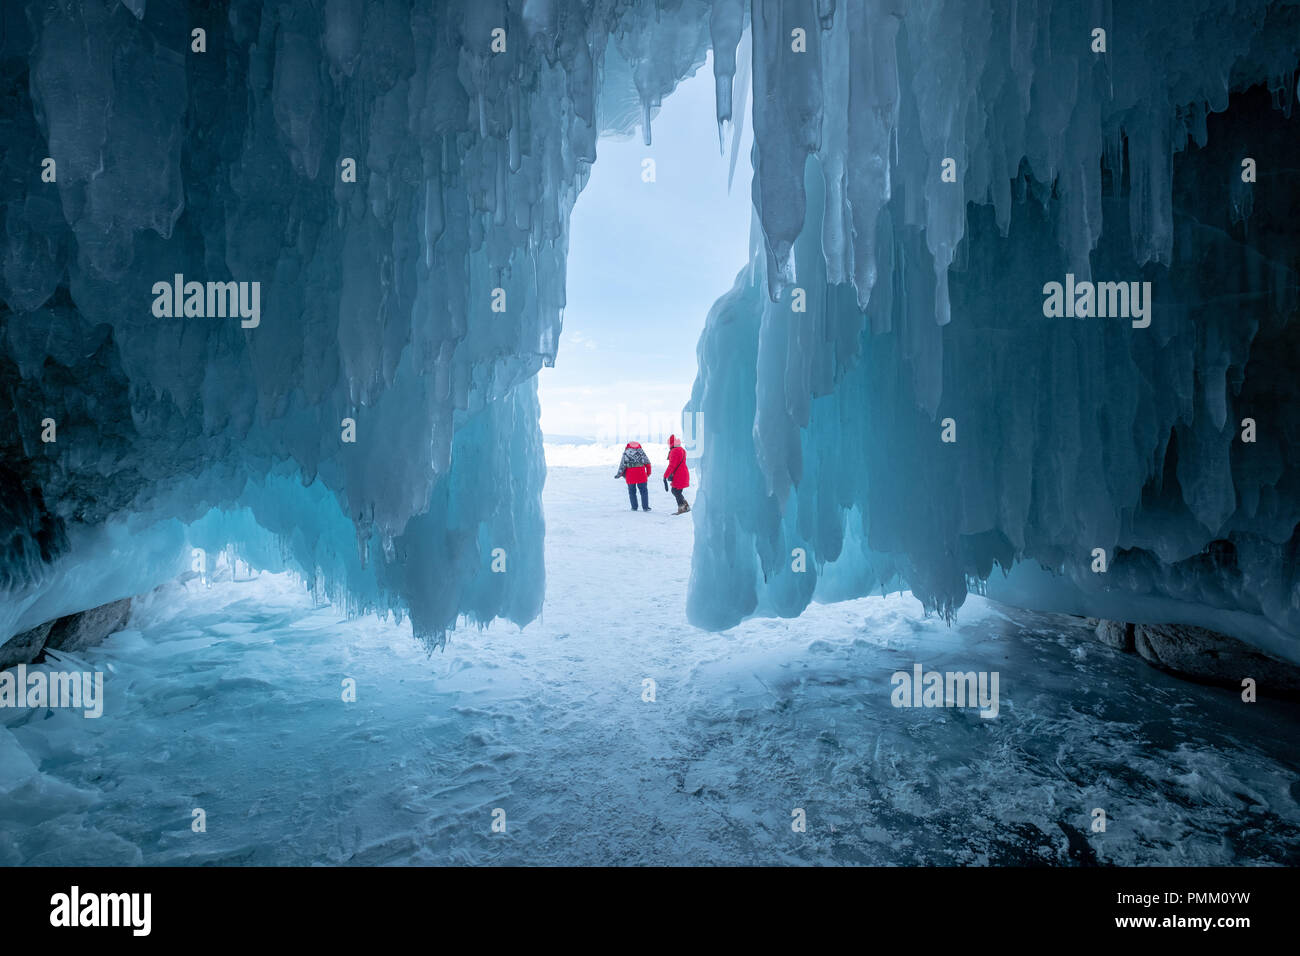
point(76, 632)
point(1209, 657)
point(25, 647)
point(1116, 634)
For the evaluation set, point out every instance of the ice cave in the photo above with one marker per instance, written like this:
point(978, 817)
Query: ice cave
point(1000, 390)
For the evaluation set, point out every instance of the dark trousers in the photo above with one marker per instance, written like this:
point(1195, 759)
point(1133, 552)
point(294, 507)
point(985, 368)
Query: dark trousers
point(645, 496)
point(681, 498)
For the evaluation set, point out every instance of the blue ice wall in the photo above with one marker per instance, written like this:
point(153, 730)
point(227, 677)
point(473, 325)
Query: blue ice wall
point(416, 299)
point(1083, 138)
point(923, 301)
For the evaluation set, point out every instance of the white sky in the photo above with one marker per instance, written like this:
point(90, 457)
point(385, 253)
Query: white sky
point(646, 262)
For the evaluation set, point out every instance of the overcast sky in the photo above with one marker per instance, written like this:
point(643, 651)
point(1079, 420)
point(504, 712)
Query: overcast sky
point(646, 262)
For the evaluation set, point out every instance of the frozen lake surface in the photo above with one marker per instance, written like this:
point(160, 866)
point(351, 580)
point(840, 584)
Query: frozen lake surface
point(229, 698)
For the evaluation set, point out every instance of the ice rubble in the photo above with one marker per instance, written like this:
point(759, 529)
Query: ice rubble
point(377, 295)
point(1071, 434)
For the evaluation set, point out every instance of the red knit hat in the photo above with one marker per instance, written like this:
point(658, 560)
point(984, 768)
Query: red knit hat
point(672, 440)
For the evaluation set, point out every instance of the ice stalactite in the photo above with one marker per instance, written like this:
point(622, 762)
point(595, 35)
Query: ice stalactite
point(396, 179)
point(1068, 437)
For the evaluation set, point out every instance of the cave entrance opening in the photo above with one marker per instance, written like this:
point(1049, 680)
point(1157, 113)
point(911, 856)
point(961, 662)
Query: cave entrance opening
point(657, 235)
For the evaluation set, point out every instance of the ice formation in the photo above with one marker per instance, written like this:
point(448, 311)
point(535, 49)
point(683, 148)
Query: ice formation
point(921, 170)
point(1069, 438)
point(395, 180)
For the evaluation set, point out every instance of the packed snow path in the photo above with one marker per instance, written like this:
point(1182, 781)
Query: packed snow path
point(229, 699)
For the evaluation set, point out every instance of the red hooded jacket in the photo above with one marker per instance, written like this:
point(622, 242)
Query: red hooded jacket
point(640, 473)
point(677, 470)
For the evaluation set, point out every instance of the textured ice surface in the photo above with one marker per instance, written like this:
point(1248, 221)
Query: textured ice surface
point(229, 699)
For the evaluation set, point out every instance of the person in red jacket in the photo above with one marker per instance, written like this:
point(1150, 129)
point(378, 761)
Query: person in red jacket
point(635, 467)
point(678, 472)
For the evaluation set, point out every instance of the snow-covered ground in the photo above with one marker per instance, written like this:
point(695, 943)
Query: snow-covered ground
point(229, 698)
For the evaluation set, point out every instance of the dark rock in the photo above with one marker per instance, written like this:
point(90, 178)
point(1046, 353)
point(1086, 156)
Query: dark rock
point(1080, 850)
point(76, 632)
point(1116, 634)
point(1209, 657)
point(25, 647)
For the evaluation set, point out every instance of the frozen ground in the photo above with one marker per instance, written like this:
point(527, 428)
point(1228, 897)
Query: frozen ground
point(228, 698)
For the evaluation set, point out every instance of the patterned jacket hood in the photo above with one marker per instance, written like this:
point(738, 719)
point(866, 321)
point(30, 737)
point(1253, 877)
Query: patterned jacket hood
point(634, 456)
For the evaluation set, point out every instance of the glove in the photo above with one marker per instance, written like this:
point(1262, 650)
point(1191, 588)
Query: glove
point(665, 484)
